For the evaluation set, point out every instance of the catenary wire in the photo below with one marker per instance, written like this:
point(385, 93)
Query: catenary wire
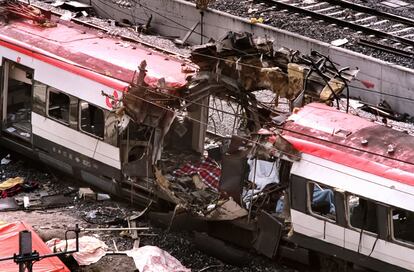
point(245, 117)
point(283, 152)
point(252, 66)
point(279, 127)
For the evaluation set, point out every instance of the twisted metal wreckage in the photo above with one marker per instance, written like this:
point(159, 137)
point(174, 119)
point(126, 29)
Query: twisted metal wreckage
point(267, 186)
point(13, 8)
point(231, 70)
point(162, 126)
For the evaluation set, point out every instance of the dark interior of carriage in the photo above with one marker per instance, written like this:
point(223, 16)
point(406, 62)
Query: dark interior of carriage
point(19, 102)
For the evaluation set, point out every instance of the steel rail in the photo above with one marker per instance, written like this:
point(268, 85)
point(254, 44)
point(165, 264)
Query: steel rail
point(341, 22)
point(361, 8)
point(385, 48)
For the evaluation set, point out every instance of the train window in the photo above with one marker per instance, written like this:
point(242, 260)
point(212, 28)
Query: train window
point(58, 105)
point(91, 119)
point(322, 200)
point(362, 213)
point(403, 224)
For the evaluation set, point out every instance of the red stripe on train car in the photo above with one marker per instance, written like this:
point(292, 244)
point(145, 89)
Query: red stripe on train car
point(112, 83)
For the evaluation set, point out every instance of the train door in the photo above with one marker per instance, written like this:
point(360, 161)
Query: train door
point(17, 102)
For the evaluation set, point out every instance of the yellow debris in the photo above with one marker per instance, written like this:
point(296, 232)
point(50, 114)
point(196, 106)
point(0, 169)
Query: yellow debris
point(7, 184)
point(256, 20)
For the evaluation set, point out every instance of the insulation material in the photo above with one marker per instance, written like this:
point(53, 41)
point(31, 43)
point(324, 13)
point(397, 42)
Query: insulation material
point(296, 76)
point(335, 85)
point(9, 245)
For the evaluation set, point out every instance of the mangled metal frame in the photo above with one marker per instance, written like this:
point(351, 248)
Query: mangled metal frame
point(232, 70)
point(246, 64)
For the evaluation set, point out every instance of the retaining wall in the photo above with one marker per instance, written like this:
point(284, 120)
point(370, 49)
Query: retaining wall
point(391, 82)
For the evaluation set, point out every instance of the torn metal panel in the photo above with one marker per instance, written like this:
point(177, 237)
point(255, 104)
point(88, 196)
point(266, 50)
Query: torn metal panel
point(233, 174)
point(253, 65)
point(269, 234)
point(164, 186)
point(229, 210)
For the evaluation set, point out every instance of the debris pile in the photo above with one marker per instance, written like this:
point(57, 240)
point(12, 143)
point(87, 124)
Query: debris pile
point(18, 9)
point(242, 63)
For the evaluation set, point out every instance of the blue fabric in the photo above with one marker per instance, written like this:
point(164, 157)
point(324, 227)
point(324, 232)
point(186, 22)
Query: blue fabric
point(319, 195)
point(326, 195)
point(280, 204)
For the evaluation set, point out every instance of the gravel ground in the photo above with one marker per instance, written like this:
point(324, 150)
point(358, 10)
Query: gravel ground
point(295, 22)
point(51, 223)
point(405, 11)
point(112, 30)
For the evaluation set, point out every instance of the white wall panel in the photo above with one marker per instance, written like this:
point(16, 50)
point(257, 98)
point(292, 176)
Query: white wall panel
point(75, 140)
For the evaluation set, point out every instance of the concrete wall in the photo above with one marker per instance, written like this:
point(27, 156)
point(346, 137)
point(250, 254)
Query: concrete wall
point(174, 17)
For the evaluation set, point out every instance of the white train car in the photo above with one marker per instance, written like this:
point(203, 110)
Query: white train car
point(52, 107)
point(369, 169)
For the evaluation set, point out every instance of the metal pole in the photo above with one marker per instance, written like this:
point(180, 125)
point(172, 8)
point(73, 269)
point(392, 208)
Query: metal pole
point(25, 249)
point(251, 196)
point(114, 229)
point(201, 26)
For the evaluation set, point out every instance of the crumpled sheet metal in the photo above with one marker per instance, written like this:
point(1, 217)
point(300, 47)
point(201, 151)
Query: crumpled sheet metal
point(253, 64)
point(91, 249)
point(154, 259)
point(227, 211)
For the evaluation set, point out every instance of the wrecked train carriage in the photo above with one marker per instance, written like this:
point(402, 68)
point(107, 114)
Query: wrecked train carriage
point(75, 100)
point(327, 182)
point(365, 172)
point(69, 94)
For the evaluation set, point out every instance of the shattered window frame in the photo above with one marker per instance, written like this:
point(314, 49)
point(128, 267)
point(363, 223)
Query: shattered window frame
point(392, 228)
point(80, 123)
point(348, 214)
point(309, 194)
point(58, 92)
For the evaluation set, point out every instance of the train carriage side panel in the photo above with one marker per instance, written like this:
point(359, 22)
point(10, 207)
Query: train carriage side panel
point(347, 241)
point(64, 144)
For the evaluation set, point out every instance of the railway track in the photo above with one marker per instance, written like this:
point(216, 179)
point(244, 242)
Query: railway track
point(387, 32)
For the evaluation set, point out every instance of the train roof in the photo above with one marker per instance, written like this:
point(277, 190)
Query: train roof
point(92, 54)
point(330, 134)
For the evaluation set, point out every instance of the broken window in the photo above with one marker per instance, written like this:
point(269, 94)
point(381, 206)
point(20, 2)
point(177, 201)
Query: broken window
point(403, 224)
point(58, 105)
point(322, 200)
point(17, 94)
point(362, 213)
point(91, 119)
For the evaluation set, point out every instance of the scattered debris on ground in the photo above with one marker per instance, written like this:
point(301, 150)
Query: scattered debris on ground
point(100, 220)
